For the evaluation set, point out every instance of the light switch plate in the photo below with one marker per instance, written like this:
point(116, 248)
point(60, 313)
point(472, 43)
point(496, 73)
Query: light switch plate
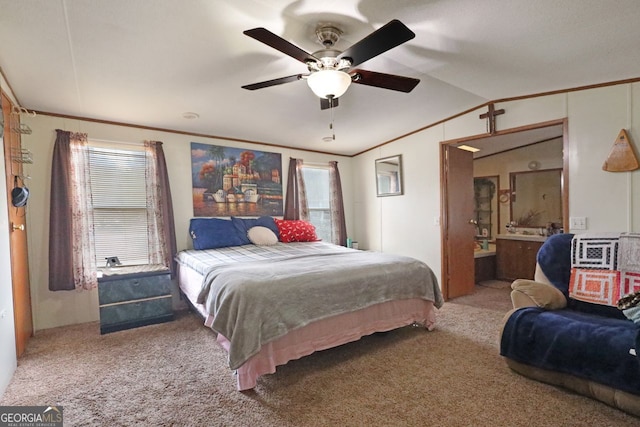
point(578, 223)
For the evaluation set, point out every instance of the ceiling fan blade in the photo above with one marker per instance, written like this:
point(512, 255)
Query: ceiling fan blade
point(392, 34)
point(328, 103)
point(273, 82)
point(385, 81)
point(267, 37)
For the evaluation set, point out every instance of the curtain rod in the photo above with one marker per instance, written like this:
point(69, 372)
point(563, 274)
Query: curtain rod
point(137, 144)
point(314, 164)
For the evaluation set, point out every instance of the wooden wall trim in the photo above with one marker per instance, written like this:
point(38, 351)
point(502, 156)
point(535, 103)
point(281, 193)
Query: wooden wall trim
point(180, 132)
point(462, 113)
point(495, 101)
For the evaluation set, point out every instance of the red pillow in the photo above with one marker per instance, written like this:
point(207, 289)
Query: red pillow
point(295, 230)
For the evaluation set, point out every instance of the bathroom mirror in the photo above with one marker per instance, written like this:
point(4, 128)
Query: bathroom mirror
point(389, 176)
point(536, 197)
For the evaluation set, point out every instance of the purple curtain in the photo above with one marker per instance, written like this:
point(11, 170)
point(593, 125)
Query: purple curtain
point(166, 205)
point(72, 258)
point(336, 204)
point(295, 203)
point(60, 217)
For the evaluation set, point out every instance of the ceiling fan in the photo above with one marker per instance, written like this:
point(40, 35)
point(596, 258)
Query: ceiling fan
point(332, 71)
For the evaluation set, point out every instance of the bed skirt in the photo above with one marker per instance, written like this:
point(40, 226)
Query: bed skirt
point(320, 335)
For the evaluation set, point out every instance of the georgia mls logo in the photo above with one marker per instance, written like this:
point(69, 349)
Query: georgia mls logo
point(54, 412)
point(31, 416)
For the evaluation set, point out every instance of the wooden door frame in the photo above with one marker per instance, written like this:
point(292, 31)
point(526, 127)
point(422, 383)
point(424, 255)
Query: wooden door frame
point(18, 243)
point(444, 190)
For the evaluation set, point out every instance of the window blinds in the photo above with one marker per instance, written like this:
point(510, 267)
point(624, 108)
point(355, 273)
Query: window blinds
point(119, 203)
point(316, 181)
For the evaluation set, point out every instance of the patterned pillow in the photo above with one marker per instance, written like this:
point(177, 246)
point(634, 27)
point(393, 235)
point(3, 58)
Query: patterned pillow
point(595, 286)
point(595, 250)
point(296, 231)
point(629, 282)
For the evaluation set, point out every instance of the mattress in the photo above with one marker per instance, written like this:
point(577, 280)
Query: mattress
point(318, 335)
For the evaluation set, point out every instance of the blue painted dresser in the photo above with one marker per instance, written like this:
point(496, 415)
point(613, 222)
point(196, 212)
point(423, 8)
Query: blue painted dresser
point(133, 300)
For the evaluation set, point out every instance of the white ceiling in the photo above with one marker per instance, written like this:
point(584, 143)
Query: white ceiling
point(147, 62)
point(498, 143)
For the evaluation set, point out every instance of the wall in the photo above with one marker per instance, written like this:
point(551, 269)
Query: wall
point(8, 361)
point(7, 331)
point(610, 201)
point(53, 309)
point(407, 224)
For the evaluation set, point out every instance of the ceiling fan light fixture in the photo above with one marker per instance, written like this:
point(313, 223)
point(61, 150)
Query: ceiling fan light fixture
point(329, 83)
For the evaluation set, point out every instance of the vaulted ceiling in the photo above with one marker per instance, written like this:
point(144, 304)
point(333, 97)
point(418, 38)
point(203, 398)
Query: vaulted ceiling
point(147, 62)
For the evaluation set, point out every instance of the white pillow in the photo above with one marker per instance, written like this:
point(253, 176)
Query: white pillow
point(262, 236)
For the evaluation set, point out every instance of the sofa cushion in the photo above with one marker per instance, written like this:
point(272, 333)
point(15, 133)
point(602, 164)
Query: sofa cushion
point(554, 258)
point(611, 396)
point(581, 344)
point(529, 293)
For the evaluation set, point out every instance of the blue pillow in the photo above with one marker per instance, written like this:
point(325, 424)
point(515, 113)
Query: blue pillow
point(244, 224)
point(211, 233)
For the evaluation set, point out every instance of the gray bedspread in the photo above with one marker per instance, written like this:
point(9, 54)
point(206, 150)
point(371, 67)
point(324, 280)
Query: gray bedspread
point(255, 303)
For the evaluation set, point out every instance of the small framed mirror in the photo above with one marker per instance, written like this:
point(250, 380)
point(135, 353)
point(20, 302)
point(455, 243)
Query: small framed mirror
point(389, 176)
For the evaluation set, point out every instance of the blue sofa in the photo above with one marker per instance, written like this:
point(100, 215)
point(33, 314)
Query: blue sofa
point(550, 337)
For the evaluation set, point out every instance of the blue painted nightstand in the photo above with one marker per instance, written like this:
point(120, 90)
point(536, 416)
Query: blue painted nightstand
point(135, 299)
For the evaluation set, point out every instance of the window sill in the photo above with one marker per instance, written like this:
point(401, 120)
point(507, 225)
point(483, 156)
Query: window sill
point(130, 269)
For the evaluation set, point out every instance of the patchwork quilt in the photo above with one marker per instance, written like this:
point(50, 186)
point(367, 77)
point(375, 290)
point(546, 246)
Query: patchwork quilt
point(604, 267)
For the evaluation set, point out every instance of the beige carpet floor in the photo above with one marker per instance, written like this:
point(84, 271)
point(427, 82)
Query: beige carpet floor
point(175, 374)
point(496, 284)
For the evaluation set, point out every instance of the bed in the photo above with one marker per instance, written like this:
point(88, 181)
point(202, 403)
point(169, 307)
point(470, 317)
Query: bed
point(270, 304)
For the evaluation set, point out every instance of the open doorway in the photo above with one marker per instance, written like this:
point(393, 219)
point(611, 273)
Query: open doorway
point(459, 229)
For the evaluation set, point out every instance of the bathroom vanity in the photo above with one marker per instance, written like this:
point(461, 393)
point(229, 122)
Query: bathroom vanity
point(485, 263)
point(516, 255)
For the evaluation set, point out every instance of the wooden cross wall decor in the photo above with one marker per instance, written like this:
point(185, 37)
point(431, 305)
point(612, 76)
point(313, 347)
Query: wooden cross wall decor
point(491, 117)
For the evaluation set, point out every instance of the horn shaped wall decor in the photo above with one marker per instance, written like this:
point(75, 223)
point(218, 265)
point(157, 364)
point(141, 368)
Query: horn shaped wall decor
point(622, 157)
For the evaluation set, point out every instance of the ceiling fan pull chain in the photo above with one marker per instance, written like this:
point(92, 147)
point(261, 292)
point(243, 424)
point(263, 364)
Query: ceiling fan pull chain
point(333, 134)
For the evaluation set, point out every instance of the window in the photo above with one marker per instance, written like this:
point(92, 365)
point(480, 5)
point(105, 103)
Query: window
point(119, 204)
point(316, 181)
